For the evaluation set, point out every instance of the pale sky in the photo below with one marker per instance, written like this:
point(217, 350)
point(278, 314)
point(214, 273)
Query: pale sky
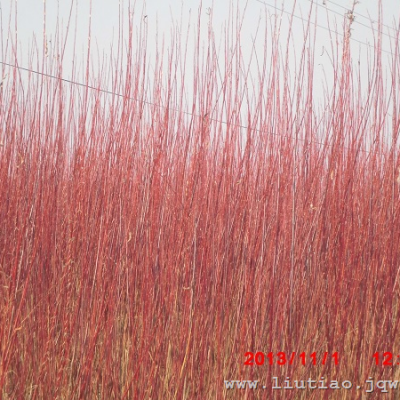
point(161, 16)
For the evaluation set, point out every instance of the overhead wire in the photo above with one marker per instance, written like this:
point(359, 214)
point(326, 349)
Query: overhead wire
point(87, 86)
point(361, 15)
point(317, 25)
point(355, 15)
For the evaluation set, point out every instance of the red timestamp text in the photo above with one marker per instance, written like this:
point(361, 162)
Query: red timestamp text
point(386, 359)
point(283, 358)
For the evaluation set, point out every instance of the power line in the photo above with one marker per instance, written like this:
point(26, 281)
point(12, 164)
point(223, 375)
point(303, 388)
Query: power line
point(362, 16)
point(317, 25)
point(353, 14)
point(87, 86)
point(69, 81)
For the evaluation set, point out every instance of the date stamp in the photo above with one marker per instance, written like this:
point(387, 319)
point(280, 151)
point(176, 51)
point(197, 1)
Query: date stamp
point(282, 358)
